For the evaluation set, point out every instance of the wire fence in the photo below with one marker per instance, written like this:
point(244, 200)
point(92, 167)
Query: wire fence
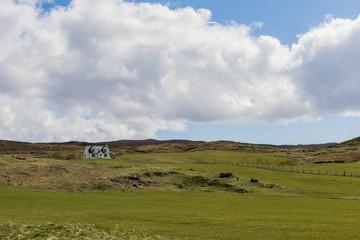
point(131, 160)
point(290, 169)
point(279, 168)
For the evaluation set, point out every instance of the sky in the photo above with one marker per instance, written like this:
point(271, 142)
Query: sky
point(271, 72)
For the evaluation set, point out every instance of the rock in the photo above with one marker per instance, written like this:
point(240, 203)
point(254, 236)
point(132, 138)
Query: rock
point(254, 180)
point(226, 174)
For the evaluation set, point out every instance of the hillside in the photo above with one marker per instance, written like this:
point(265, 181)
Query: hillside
point(148, 145)
point(351, 142)
point(348, 151)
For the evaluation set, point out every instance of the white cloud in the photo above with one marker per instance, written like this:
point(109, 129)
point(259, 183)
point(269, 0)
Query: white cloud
point(329, 75)
point(103, 70)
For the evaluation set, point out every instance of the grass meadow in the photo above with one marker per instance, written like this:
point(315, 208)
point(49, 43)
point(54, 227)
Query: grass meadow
point(184, 198)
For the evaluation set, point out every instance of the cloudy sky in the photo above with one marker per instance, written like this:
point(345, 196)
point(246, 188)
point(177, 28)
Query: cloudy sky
point(275, 71)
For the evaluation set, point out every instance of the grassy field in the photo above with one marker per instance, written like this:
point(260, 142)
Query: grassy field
point(188, 215)
point(215, 157)
point(176, 196)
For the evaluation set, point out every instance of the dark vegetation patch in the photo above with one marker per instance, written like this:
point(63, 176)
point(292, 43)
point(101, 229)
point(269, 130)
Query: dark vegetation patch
point(119, 167)
point(341, 157)
point(130, 182)
point(160, 174)
point(335, 161)
point(203, 182)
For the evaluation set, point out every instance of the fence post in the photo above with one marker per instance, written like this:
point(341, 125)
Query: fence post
point(319, 172)
point(344, 173)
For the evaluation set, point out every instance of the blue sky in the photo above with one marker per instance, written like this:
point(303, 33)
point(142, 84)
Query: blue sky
point(283, 19)
point(330, 129)
point(294, 98)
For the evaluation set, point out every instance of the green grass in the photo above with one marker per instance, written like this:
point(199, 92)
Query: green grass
point(305, 185)
point(214, 157)
point(188, 215)
point(186, 200)
point(333, 168)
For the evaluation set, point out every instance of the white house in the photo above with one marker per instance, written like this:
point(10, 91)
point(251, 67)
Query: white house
point(97, 152)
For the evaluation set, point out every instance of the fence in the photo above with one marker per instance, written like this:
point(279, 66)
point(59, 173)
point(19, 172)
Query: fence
point(279, 168)
point(303, 171)
point(130, 160)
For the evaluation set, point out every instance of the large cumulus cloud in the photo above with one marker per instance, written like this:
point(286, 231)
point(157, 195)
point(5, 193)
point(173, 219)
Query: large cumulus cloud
point(109, 69)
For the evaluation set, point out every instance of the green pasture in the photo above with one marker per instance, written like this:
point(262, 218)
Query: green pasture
point(302, 185)
point(300, 206)
point(334, 168)
point(295, 182)
point(187, 215)
point(215, 157)
point(270, 160)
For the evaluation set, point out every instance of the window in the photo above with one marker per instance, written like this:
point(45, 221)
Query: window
point(105, 155)
point(93, 155)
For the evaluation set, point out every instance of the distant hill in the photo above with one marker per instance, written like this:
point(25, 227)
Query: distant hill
point(147, 146)
point(73, 149)
point(309, 145)
point(347, 151)
point(121, 146)
point(148, 142)
point(352, 142)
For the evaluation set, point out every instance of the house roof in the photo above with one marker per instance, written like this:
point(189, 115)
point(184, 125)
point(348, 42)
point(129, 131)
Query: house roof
point(97, 149)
